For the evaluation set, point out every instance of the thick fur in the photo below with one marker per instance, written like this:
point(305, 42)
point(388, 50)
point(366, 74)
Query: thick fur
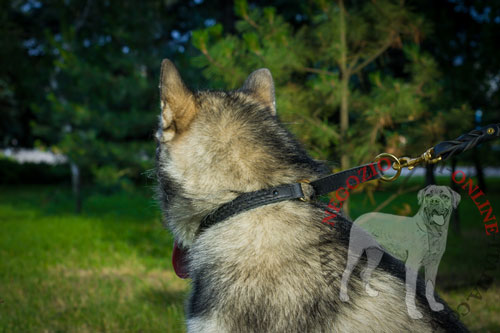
point(275, 268)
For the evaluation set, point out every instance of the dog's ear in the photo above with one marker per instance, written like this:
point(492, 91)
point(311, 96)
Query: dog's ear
point(178, 106)
point(260, 84)
point(455, 198)
point(420, 195)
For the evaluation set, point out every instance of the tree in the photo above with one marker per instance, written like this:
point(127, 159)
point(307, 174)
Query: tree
point(466, 48)
point(80, 76)
point(100, 107)
point(358, 66)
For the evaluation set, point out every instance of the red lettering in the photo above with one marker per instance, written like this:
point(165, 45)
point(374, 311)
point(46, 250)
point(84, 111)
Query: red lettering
point(483, 205)
point(491, 227)
point(477, 195)
point(488, 214)
point(349, 183)
point(364, 175)
point(470, 183)
point(341, 198)
point(331, 216)
point(386, 160)
point(374, 171)
point(335, 208)
point(453, 176)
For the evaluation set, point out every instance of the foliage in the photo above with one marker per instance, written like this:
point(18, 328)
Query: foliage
point(98, 108)
point(465, 43)
point(363, 60)
point(80, 77)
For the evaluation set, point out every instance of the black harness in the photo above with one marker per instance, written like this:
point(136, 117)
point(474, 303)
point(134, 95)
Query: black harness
point(307, 191)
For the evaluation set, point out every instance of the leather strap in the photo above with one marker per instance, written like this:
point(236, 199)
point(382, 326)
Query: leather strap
point(348, 179)
point(250, 200)
point(304, 191)
point(447, 149)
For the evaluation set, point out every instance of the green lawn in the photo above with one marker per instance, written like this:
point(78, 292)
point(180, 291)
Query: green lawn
point(109, 269)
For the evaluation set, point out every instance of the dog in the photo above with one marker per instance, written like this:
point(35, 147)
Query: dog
point(419, 240)
point(261, 270)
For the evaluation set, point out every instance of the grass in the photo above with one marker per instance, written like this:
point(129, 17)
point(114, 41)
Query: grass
point(109, 269)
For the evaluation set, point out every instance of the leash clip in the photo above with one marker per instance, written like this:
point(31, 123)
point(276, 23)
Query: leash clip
point(407, 162)
point(426, 157)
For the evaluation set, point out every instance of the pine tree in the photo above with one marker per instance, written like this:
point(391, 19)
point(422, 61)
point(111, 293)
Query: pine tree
point(100, 106)
point(349, 79)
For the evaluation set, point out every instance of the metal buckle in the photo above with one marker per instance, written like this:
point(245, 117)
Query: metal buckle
point(305, 198)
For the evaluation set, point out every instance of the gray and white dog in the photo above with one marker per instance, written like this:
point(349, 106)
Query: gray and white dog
point(261, 270)
point(420, 241)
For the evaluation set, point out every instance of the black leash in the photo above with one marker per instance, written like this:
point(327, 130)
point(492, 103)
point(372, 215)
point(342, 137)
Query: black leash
point(306, 191)
point(447, 149)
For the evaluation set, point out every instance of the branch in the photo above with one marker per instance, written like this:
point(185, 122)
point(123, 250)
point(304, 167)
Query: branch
point(394, 196)
point(250, 21)
point(81, 20)
point(353, 62)
point(399, 192)
point(372, 57)
point(205, 53)
point(320, 125)
point(318, 71)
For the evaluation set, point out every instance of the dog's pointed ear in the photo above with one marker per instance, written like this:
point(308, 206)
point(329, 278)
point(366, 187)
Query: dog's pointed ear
point(455, 198)
point(178, 106)
point(260, 84)
point(420, 195)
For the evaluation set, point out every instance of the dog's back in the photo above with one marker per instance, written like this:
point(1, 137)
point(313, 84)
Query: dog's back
point(275, 268)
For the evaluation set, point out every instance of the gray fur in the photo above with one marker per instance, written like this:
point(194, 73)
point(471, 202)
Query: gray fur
point(275, 268)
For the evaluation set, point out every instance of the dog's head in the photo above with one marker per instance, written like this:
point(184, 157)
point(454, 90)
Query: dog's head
point(215, 145)
point(437, 203)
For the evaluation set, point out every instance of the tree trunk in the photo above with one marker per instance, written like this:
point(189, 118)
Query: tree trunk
point(75, 184)
point(455, 215)
point(344, 103)
point(429, 175)
point(479, 170)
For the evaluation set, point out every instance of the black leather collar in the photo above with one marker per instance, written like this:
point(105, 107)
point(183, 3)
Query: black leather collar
point(302, 190)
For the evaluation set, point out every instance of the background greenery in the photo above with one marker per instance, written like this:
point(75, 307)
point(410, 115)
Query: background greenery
point(353, 79)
